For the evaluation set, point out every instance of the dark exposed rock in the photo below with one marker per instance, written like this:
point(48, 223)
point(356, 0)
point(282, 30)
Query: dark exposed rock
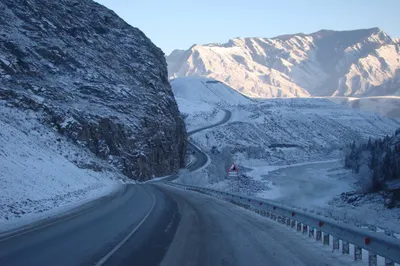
point(93, 78)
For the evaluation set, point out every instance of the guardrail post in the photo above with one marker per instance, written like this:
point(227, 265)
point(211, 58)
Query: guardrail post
point(319, 235)
point(345, 247)
point(357, 253)
point(335, 244)
point(389, 262)
point(311, 232)
point(372, 257)
point(287, 215)
point(326, 239)
point(305, 229)
point(298, 227)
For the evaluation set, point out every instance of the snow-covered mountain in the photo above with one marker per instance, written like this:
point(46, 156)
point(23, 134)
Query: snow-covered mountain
point(325, 63)
point(90, 76)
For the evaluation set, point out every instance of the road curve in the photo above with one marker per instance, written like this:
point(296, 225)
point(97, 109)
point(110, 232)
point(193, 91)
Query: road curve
point(201, 157)
point(85, 238)
point(213, 232)
point(226, 118)
point(115, 230)
point(157, 224)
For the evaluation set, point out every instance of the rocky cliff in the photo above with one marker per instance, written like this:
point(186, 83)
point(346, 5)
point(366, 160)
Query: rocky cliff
point(325, 63)
point(94, 78)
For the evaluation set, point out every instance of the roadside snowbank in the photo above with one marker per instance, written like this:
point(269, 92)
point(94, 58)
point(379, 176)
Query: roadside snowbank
point(39, 172)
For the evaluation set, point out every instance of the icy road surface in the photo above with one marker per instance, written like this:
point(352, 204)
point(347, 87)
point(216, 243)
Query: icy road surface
point(212, 232)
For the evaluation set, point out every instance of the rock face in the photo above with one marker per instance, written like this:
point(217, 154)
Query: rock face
point(325, 63)
point(94, 79)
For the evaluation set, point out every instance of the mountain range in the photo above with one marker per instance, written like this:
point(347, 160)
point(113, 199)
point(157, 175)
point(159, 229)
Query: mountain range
point(356, 63)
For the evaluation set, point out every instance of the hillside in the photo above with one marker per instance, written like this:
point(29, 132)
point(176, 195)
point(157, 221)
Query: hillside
point(377, 161)
point(85, 104)
point(325, 63)
point(202, 100)
point(288, 150)
point(42, 171)
point(287, 131)
point(94, 79)
point(280, 131)
point(208, 91)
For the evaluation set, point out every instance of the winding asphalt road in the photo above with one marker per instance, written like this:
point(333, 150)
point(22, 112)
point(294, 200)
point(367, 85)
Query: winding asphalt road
point(156, 224)
point(201, 157)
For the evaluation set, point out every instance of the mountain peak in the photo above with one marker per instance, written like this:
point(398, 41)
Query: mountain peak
point(324, 32)
point(323, 63)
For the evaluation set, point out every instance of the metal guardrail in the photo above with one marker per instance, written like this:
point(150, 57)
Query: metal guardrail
point(318, 227)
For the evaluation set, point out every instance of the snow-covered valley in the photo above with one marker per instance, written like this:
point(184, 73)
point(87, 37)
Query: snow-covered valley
point(288, 150)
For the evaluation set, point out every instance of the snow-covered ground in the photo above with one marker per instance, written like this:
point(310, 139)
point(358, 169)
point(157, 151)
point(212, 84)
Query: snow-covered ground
point(287, 131)
point(201, 100)
point(199, 114)
point(205, 90)
point(290, 150)
point(39, 173)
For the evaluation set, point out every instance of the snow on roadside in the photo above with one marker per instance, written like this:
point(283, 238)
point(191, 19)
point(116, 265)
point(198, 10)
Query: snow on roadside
point(368, 209)
point(39, 172)
point(33, 211)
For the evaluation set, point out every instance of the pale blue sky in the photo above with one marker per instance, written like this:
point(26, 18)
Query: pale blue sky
point(173, 24)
